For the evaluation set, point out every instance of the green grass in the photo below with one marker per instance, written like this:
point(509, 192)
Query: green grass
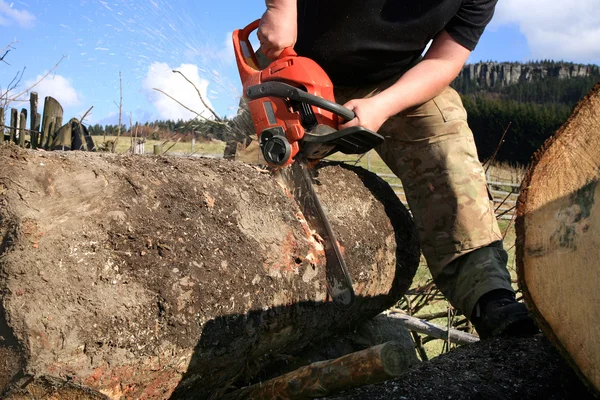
point(124, 144)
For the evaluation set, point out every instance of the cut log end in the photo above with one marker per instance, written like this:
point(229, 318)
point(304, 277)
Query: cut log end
point(558, 239)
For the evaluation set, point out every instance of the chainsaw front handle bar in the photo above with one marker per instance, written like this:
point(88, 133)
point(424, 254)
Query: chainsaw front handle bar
point(285, 91)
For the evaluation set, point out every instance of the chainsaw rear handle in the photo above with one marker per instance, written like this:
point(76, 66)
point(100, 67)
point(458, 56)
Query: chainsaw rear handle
point(244, 53)
point(285, 91)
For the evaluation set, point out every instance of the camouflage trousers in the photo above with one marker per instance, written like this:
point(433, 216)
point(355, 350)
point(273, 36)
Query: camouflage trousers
point(432, 150)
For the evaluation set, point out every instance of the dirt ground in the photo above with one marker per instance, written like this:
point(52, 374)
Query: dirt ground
point(504, 369)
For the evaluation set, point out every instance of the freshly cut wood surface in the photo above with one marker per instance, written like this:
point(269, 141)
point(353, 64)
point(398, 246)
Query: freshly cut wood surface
point(558, 239)
point(167, 277)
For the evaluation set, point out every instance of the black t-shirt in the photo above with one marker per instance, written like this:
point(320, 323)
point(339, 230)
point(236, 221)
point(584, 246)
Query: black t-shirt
point(362, 41)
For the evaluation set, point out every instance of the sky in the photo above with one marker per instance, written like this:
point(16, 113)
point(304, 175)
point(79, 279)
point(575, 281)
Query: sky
point(85, 50)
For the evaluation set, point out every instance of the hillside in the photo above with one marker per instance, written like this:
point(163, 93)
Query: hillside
point(533, 100)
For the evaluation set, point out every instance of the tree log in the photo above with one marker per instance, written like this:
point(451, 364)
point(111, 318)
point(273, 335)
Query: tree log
point(373, 365)
point(558, 239)
point(162, 277)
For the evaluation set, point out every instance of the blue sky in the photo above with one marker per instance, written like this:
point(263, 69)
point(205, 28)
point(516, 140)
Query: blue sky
point(146, 40)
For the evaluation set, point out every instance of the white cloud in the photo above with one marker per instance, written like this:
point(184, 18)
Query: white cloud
point(227, 55)
point(56, 86)
point(558, 29)
point(161, 76)
point(8, 15)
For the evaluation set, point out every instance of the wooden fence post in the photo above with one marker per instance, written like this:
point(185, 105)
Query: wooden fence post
point(138, 147)
point(22, 127)
point(51, 121)
point(35, 130)
point(34, 126)
point(14, 118)
point(157, 149)
point(1, 125)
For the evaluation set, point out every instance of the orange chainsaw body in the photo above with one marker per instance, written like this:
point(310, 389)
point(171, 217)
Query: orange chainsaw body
point(300, 72)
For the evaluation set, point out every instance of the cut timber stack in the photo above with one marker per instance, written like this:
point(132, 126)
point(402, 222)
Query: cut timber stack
point(162, 277)
point(558, 246)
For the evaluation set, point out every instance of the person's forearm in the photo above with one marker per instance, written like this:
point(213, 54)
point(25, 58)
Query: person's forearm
point(417, 86)
point(287, 6)
point(427, 79)
point(278, 27)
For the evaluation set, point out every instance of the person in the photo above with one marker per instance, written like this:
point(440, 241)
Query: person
point(377, 56)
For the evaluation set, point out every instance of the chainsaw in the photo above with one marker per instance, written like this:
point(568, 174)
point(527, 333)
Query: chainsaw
point(296, 119)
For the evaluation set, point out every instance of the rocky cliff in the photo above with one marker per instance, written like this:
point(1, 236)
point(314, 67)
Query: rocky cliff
point(494, 74)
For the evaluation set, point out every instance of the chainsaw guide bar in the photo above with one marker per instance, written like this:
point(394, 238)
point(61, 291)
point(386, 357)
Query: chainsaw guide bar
point(298, 179)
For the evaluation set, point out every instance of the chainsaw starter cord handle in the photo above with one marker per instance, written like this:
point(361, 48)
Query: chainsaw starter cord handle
point(285, 91)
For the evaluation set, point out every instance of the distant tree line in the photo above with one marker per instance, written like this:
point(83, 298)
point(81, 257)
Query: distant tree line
point(529, 125)
point(535, 110)
point(167, 129)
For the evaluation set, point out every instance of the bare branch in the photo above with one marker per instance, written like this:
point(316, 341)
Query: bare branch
point(80, 122)
point(4, 55)
point(6, 50)
point(38, 81)
point(13, 84)
point(114, 147)
point(85, 115)
point(9, 46)
point(200, 96)
point(493, 157)
point(189, 109)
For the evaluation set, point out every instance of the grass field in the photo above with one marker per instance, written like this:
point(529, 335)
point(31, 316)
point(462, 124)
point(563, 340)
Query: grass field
point(124, 145)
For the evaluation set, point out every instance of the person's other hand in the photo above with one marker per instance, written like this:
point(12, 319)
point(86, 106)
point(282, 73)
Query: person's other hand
point(369, 114)
point(277, 30)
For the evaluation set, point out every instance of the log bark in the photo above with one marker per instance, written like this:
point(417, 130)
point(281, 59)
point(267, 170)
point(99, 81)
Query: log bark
point(373, 365)
point(164, 277)
point(558, 239)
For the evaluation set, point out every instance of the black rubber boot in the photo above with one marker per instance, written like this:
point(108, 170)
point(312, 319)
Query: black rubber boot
point(498, 313)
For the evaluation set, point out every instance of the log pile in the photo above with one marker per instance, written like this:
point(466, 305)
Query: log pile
point(161, 277)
